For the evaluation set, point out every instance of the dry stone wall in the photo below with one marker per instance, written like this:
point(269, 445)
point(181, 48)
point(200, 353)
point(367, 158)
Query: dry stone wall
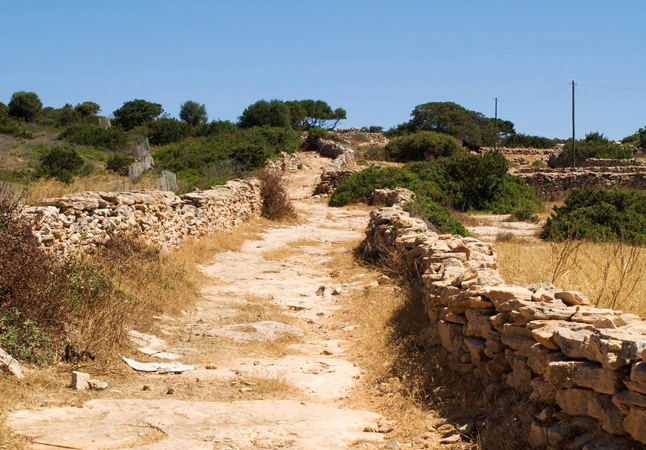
point(556, 182)
point(580, 369)
point(342, 166)
point(80, 222)
point(83, 221)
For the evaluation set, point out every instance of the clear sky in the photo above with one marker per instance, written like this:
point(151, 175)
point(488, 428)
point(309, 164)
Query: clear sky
point(377, 59)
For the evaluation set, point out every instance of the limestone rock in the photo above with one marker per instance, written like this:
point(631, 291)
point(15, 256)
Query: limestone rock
point(627, 398)
point(564, 374)
point(540, 358)
point(602, 408)
point(574, 401)
point(572, 298)
point(80, 381)
point(518, 338)
point(637, 381)
point(634, 423)
point(573, 343)
point(9, 365)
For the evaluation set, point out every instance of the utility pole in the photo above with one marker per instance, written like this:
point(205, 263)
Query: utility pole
point(495, 125)
point(573, 140)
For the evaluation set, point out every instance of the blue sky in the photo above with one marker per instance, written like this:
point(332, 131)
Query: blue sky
point(377, 59)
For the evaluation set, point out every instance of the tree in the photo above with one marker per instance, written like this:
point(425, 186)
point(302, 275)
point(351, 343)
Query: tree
point(4, 111)
point(339, 114)
point(136, 113)
point(642, 137)
point(25, 105)
point(164, 131)
point(471, 127)
point(297, 113)
point(273, 113)
point(193, 113)
point(87, 109)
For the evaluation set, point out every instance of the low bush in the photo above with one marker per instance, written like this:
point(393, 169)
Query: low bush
point(479, 183)
point(276, 204)
point(436, 215)
point(60, 162)
point(95, 136)
point(539, 164)
point(119, 163)
point(316, 133)
point(375, 152)
point(595, 145)
point(423, 146)
point(523, 215)
point(194, 158)
point(527, 141)
point(51, 308)
point(599, 215)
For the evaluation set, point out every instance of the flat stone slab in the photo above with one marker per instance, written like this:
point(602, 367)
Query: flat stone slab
point(197, 425)
point(255, 332)
point(318, 376)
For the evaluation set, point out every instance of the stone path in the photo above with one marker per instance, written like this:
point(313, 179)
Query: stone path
point(264, 331)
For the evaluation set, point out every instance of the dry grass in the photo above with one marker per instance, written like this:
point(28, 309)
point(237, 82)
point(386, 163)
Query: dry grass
point(162, 285)
point(419, 386)
point(101, 181)
point(611, 275)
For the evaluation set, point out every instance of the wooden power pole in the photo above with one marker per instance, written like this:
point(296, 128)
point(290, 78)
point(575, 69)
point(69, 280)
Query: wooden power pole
point(495, 124)
point(573, 135)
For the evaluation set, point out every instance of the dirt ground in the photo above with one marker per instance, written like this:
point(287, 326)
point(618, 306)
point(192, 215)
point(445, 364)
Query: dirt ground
point(277, 351)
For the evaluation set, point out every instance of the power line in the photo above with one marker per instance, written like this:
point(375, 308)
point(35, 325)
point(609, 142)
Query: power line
point(601, 86)
point(540, 96)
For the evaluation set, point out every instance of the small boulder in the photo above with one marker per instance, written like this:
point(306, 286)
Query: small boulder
point(80, 381)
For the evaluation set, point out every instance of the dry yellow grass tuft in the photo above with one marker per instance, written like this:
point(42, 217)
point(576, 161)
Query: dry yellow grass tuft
point(101, 181)
point(610, 274)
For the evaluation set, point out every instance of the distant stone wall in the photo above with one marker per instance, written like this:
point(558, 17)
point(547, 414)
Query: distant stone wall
point(81, 222)
point(342, 167)
point(580, 369)
point(597, 163)
point(557, 182)
point(366, 136)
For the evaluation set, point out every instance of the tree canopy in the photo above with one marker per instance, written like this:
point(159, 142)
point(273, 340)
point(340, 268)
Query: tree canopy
point(193, 113)
point(273, 113)
point(87, 109)
point(136, 113)
point(25, 105)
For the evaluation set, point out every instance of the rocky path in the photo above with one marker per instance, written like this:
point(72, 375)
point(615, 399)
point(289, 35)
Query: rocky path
point(270, 345)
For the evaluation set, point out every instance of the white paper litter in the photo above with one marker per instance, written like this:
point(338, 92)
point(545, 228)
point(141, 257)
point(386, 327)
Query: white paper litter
point(158, 367)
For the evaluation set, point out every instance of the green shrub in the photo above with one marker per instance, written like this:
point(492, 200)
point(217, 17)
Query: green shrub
point(376, 152)
point(95, 136)
point(539, 164)
point(316, 133)
point(437, 215)
point(61, 162)
point(595, 145)
point(599, 215)
point(523, 215)
point(423, 146)
point(527, 141)
point(119, 163)
point(479, 183)
point(375, 129)
point(165, 131)
point(193, 158)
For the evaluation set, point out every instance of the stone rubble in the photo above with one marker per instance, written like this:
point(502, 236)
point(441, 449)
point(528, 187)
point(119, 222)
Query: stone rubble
point(579, 368)
point(343, 165)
